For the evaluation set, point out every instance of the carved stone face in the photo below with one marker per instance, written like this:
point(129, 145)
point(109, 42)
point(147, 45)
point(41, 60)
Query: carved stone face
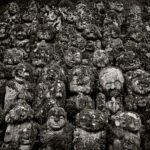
point(115, 32)
point(111, 79)
point(91, 120)
point(13, 8)
point(23, 72)
point(135, 13)
point(21, 32)
point(100, 58)
point(91, 45)
point(49, 14)
point(3, 32)
point(68, 14)
point(100, 6)
point(72, 57)
point(135, 101)
point(92, 32)
point(81, 80)
point(136, 35)
point(53, 73)
point(31, 13)
point(127, 120)
point(141, 85)
point(110, 18)
point(131, 141)
point(81, 25)
point(83, 11)
point(71, 16)
point(116, 5)
point(75, 104)
point(139, 81)
point(14, 56)
point(41, 54)
point(128, 61)
point(46, 33)
point(56, 118)
point(142, 101)
point(19, 113)
point(134, 122)
point(20, 133)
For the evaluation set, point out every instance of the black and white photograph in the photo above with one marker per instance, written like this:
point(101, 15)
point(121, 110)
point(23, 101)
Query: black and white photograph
point(74, 74)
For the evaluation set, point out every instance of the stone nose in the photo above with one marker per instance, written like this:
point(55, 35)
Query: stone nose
point(56, 119)
point(112, 86)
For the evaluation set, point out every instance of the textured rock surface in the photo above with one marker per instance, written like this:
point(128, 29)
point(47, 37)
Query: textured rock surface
point(75, 75)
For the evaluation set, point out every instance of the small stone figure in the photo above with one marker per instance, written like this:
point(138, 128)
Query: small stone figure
point(46, 32)
point(41, 53)
point(125, 131)
point(84, 14)
point(111, 86)
point(118, 7)
point(31, 13)
point(111, 33)
point(57, 133)
point(40, 56)
point(21, 131)
point(77, 103)
point(138, 82)
point(92, 32)
point(51, 16)
point(20, 85)
point(81, 79)
point(109, 107)
point(90, 133)
point(14, 56)
point(87, 53)
point(12, 15)
point(50, 91)
point(20, 36)
point(54, 76)
point(72, 57)
point(100, 58)
point(99, 13)
point(3, 32)
point(20, 136)
point(138, 90)
point(68, 14)
point(135, 14)
point(136, 32)
point(21, 111)
point(128, 61)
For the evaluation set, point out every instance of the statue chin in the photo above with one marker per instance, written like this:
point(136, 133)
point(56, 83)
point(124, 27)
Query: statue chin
point(56, 127)
point(19, 79)
point(59, 95)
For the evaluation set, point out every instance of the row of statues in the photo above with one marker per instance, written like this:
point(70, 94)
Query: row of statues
point(75, 76)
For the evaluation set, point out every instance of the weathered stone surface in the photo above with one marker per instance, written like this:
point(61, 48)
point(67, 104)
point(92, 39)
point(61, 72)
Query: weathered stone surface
point(75, 54)
point(57, 133)
point(89, 133)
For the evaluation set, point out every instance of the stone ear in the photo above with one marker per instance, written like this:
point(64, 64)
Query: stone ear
point(77, 118)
